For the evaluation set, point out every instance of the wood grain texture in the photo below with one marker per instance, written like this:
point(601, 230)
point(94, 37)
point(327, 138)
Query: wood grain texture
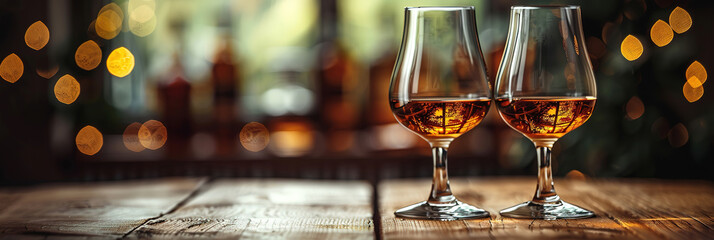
point(625, 209)
point(269, 209)
point(88, 211)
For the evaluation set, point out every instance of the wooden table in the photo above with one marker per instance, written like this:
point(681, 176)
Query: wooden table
point(625, 209)
point(191, 208)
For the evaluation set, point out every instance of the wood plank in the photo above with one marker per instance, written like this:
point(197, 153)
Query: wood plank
point(267, 209)
point(625, 209)
point(89, 210)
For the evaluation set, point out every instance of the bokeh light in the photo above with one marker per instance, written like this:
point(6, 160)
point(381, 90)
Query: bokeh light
point(67, 89)
point(131, 137)
point(254, 137)
point(120, 62)
point(142, 17)
point(47, 73)
point(88, 55)
point(109, 21)
point(89, 140)
point(692, 94)
point(661, 33)
point(680, 20)
point(11, 68)
point(291, 139)
point(678, 135)
point(152, 134)
point(37, 35)
point(634, 108)
point(696, 71)
point(631, 48)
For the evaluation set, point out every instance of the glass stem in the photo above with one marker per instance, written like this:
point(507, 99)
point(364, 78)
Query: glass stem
point(545, 191)
point(440, 189)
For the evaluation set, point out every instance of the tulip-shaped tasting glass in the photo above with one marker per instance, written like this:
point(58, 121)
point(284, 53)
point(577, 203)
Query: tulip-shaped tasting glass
point(545, 88)
point(439, 91)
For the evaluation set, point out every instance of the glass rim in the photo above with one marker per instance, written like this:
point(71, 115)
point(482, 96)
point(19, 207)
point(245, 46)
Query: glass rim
point(441, 8)
point(529, 7)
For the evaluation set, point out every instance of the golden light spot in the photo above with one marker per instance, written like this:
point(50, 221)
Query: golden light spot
point(254, 137)
point(678, 135)
point(47, 73)
point(575, 43)
point(67, 89)
point(152, 134)
point(680, 20)
point(88, 55)
point(634, 108)
point(142, 19)
point(109, 21)
point(291, 139)
point(697, 70)
point(37, 35)
point(661, 33)
point(89, 140)
point(575, 175)
point(692, 94)
point(120, 62)
point(131, 137)
point(694, 82)
point(631, 48)
point(11, 68)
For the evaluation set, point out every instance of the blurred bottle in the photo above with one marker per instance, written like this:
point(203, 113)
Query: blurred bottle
point(175, 98)
point(340, 91)
point(377, 111)
point(224, 78)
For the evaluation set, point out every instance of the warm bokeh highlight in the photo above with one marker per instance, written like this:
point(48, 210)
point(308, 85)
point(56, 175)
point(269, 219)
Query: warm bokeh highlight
point(692, 94)
point(37, 35)
point(152, 134)
point(142, 17)
point(631, 48)
point(120, 62)
point(634, 108)
point(11, 68)
point(88, 55)
point(696, 71)
point(254, 137)
point(680, 20)
point(67, 89)
point(109, 21)
point(678, 135)
point(131, 137)
point(89, 140)
point(47, 73)
point(661, 34)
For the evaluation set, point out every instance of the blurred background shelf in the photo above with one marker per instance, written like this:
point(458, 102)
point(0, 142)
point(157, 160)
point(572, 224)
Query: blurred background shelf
point(315, 74)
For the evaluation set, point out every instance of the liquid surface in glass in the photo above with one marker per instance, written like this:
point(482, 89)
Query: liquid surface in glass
point(440, 118)
point(545, 117)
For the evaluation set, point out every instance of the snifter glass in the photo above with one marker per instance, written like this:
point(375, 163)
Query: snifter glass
point(545, 88)
point(439, 91)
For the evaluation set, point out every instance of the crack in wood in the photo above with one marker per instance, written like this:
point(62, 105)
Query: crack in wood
point(194, 193)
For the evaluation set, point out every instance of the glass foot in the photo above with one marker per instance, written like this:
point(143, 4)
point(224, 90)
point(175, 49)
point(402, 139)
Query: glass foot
point(532, 210)
point(443, 212)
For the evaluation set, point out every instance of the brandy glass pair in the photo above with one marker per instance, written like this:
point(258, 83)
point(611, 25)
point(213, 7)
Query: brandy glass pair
point(439, 90)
